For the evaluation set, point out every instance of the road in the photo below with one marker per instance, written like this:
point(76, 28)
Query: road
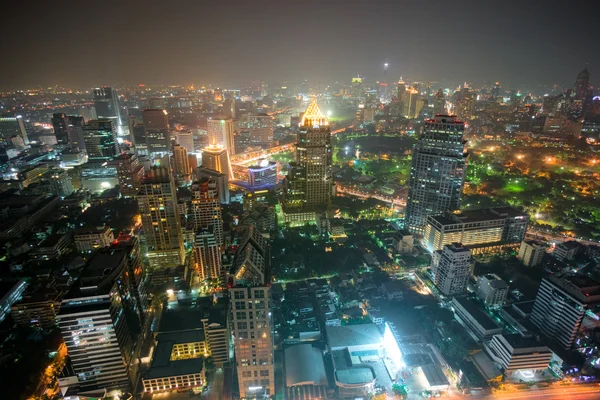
point(588, 391)
point(533, 234)
point(350, 191)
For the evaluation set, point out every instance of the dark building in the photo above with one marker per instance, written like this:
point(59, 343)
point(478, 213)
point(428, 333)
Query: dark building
point(437, 174)
point(106, 102)
point(68, 129)
point(100, 139)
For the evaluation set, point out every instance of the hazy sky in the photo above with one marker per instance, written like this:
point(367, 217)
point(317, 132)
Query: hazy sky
point(87, 43)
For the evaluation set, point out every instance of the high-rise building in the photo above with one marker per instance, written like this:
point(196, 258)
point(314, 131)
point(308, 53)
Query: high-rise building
point(10, 126)
point(229, 108)
point(531, 253)
point(186, 139)
point(464, 103)
point(205, 208)
point(581, 90)
point(496, 90)
point(439, 102)
point(130, 173)
point(100, 139)
point(263, 174)
point(220, 133)
point(492, 290)
point(221, 179)
point(560, 306)
point(88, 113)
point(486, 230)
point(156, 130)
point(437, 173)
point(59, 123)
point(137, 133)
point(60, 182)
point(261, 130)
point(215, 157)
point(99, 325)
point(106, 103)
point(309, 184)
point(251, 317)
point(181, 163)
point(157, 200)
point(207, 254)
point(451, 269)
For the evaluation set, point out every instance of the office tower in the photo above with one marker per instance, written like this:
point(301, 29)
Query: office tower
point(136, 271)
point(581, 90)
point(181, 164)
point(310, 181)
point(11, 126)
point(68, 129)
point(451, 269)
point(261, 129)
point(156, 130)
point(207, 255)
point(220, 132)
point(186, 139)
point(251, 317)
point(157, 200)
point(99, 325)
point(221, 179)
point(100, 139)
point(137, 133)
point(106, 103)
point(485, 230)
point(437, 173)
point(531, 253)
point(439, 103)
point(560, 306)
point(88, 113)
point(516, 353)
point(215, 157)
point(263, 174)
point(130, 173)
point(205, 207)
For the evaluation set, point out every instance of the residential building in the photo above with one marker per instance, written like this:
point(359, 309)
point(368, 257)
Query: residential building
point(222, 182)
point(250, 309)
point(482, 230)
point(205, 208)
point(531, 253)
point(52, 248)
point(220, 133)
point(90, 239)
point(157, 201)
point(492, 290)
point(437, 173)
point(560, 306)
point(207, 254)
point(130, 173)
point(514, 352)
point(451, 269)
point(181, 163)
point(566, 251)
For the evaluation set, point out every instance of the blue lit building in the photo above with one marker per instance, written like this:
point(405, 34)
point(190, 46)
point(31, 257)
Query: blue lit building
point(263, 175)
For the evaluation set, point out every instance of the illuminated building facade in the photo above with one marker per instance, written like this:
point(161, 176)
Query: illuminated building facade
point(220, 133)
point(263, 175)
point(207, 254)
point(309, 184)
point(157, 201)
point(156, 130)
point(215, 157)
point(11, 126)
point(181, 163)
point(251, 317)
point(451, 269)
point(100, 139)
point(437, 173)
point(482, 231)
point(205, 208)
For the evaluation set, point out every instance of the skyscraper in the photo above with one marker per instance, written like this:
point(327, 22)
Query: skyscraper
point(181, 164)
point(220, 132)
point(439, 102)
point(451, 269)
point(106, 103)
point(10, 126)
point(157, 200)
point(250, 306)
point(156, 130)
point(582, 86)
point(205, 208)
point(207, 255)
point(186, 139)
point(261, 129)
point(100, 139)
point(215, 157)
point(68, 129)
point(309, 186)
point(130, 173)
point(560, 306)
point(437, 173)
point(99, 325)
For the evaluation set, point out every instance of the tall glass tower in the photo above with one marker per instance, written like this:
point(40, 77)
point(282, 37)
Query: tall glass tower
point(437, 174)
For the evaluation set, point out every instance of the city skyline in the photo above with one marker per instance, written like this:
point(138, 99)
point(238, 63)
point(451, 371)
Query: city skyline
point(350, 38)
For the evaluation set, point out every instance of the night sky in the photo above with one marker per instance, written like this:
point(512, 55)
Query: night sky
point(87, 43)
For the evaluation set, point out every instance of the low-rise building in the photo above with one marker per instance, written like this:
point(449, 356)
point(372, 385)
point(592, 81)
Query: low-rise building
point(478, 322)
point(392, 290)
point(37, 308)
point(305, 375)
point(492, 290)
point(90, 239)
point(514, 352)
point(531, 253)
point(566, 251)
point(52, 248)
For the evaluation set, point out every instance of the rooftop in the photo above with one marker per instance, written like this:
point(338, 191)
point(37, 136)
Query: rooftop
point(304, 366)
point(480, 215)
point(162, 366)
point(98, 276)
point(519, 342)
point(346, 373)
point(353, 335)
point(583, 288)
point(476, 313)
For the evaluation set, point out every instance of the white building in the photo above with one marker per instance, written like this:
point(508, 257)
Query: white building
point(90, 239)
point(515, 352)
point(451, 269)
point(492, 290)
point(531, 253)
